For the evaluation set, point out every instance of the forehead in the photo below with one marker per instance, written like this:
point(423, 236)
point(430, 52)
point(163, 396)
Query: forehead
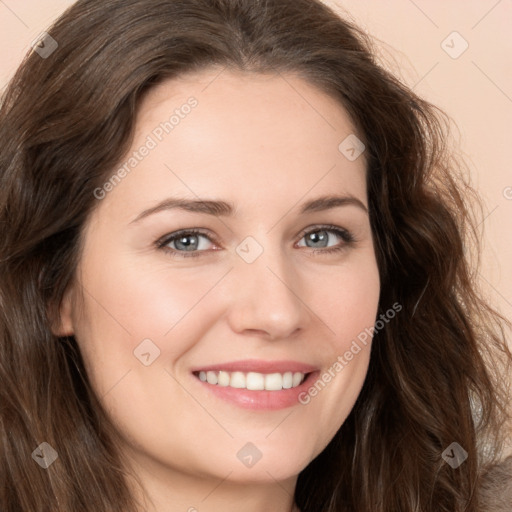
point(252, 107)
point(250, 138)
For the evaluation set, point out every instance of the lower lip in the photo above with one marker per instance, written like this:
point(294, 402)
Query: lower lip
point(260, 400)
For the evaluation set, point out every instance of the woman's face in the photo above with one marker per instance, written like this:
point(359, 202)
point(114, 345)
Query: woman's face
point(260, 290)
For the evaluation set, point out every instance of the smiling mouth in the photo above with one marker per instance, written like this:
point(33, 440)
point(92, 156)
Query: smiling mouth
point(253, 381)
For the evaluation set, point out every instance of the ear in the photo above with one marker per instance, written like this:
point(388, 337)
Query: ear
point(63, 324)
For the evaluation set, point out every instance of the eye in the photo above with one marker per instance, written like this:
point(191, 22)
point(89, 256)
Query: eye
point(187, 243)
point(320, 236)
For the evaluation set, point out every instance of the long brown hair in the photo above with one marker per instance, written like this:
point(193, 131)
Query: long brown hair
point(67, 119)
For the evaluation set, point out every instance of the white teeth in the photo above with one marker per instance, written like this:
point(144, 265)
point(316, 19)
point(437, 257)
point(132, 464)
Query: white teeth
point(288, 380)
point(297, 379)
point(273, 381)
point(223, 378)
point(211, 378)
point(237, 380)
point(253, 380)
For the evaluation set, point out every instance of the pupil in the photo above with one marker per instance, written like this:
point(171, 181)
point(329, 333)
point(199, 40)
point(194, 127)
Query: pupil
point(183, 240)
point(315, 237)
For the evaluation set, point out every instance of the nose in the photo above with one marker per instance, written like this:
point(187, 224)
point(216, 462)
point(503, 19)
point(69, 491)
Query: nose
point(267, 297)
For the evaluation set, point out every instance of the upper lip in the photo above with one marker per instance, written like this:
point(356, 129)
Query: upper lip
point(258, 366)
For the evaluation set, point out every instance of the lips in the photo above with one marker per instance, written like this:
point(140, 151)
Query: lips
point(257, 399)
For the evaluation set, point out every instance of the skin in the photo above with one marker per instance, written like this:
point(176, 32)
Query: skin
point(267, 143)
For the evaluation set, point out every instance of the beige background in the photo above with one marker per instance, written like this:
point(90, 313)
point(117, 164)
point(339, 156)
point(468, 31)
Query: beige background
point(475, 88)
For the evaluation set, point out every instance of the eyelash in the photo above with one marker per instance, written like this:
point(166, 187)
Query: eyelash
point(345, 235)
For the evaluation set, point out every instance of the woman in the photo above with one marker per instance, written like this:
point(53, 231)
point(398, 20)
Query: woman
point(256, 370)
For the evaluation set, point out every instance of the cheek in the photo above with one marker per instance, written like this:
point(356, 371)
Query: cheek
point(346, 299)
point(347, 302)
point(128, 304)
point(144, 298)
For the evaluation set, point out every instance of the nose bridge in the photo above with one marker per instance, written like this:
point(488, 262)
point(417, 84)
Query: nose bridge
point(266, 290)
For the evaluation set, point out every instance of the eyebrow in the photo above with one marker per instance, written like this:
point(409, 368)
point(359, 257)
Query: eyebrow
point(228, 209)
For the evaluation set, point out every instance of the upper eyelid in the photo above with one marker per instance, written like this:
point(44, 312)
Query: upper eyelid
point(170, 237)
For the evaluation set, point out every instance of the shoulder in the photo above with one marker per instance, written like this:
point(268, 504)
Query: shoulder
point(496, 487)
